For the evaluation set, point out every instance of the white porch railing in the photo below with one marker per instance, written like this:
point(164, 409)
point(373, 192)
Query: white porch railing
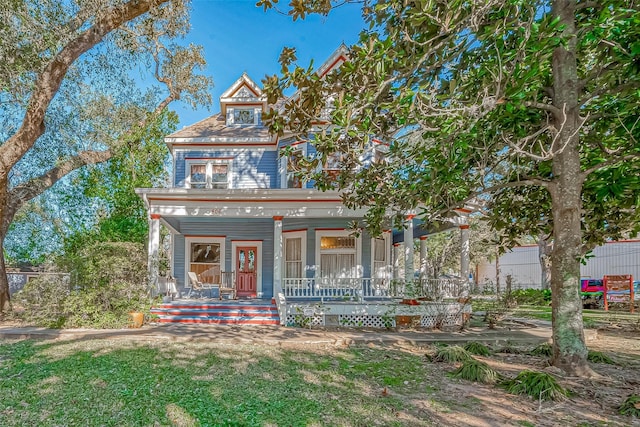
point(360, 289)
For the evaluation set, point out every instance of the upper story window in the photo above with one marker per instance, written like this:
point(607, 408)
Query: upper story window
point(290, 165)
point(293, 166)
point(213, 174)
point(333, 165)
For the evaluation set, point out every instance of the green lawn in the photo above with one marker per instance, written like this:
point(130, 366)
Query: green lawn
point(118, 382)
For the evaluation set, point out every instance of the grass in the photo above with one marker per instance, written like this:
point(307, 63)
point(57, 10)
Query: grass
point(599, 357)
point(542, 350)
point(122, 382)
point(477, 348)
point(630, 406)
point(538, 385)
point(450, 354)
point(476, 371)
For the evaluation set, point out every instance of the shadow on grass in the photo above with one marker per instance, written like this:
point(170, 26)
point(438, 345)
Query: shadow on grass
point(120, 382)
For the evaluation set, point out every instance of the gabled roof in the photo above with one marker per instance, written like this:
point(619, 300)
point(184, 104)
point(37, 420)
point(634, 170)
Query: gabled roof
point(215, 130)
point(337, 58)
point(242, 91)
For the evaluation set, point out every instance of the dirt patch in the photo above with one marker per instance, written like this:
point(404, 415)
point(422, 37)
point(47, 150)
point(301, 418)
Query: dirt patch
point(593, 401)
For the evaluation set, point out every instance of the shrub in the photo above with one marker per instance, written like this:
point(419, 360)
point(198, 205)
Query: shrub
point(599, 357)
point(477, 348)
point(630, 406)
point(108, 280)
point(476, 371)
point(538, 385)
point(531, 296)
point(42, 300)
point(453, 353)
point(542, 350)
point(509, 348)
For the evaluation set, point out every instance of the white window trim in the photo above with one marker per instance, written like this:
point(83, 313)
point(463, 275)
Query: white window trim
point(386, 235)
point(187, 253)
point(209, 170)
point(303, 249)
point(284, 165)
point(258, 244)
point(338, 233)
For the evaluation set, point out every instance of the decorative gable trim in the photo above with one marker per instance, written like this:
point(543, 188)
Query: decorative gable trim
point(336, 59)
point(242, 92)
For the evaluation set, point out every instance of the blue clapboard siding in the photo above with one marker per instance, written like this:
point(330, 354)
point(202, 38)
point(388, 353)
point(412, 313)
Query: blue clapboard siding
point(232, 229)
point(259, 229)
point(250, 168)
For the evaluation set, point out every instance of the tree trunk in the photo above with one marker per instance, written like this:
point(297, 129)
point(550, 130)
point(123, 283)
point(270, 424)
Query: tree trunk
point(5, 297)
point(569, 349)
point(544, 254)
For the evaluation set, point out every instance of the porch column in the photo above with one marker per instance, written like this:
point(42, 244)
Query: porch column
point(277, 255)
point(152, 250)
point(423, 256)
point(408, 248)
point(464, 257)
point(396, 260)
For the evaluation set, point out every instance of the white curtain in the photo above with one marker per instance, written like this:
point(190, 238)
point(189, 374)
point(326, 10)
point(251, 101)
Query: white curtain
point(293, 258)
point(338, 265)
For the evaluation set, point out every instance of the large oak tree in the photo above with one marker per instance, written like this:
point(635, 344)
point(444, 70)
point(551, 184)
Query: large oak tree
point(68, 98)
point(477, 98)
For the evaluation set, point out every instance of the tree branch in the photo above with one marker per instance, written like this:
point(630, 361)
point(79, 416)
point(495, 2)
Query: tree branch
point(49, 81)
point(26, 191)
point(542, 106)
point(610, 162)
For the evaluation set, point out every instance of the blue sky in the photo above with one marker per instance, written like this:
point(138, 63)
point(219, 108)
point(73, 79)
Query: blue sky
point(237, 36)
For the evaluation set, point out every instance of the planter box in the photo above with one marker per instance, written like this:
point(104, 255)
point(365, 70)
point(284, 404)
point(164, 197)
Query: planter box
point(405, 320)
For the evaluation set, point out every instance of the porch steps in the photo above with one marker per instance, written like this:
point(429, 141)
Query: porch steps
point(240, 313)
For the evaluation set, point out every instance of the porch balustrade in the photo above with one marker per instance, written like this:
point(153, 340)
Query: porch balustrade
point(360, 289)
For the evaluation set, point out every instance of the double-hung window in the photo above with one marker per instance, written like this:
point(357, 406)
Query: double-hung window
point(380, 254)
point(213, 174)
point(294, 254)
point(293, 166)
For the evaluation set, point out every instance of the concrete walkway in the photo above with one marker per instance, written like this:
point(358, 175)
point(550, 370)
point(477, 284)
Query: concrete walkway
point(520, 331)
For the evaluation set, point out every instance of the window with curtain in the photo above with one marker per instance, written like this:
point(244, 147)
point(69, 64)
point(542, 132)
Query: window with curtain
point(209, 174)
point(338, 257)
point(198, 175)
point(293, 257)
point(380, 261)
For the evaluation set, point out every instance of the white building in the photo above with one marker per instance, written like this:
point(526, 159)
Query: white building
point(522, 263)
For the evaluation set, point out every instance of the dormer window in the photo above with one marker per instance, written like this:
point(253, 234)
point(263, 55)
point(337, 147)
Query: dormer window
point(244, 116)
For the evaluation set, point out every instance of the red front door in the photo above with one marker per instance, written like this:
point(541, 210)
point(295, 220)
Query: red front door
point(247, 271)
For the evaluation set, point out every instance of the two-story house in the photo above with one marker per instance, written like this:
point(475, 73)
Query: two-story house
point(236, 207)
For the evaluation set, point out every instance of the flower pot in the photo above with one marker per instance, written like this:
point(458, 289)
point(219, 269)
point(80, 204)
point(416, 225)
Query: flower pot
point(403, 320)
point(137, 319)
point(407, 301)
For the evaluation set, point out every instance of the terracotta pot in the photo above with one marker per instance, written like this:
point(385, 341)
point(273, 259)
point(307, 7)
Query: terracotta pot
point(403, 320)
point(137, 319)
point(409, 302)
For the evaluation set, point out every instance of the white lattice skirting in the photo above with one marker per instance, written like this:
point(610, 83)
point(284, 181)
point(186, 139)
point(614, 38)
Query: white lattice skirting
point(430, 321)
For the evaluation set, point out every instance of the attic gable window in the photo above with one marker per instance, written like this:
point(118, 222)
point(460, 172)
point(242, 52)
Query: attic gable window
point(243, 116)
